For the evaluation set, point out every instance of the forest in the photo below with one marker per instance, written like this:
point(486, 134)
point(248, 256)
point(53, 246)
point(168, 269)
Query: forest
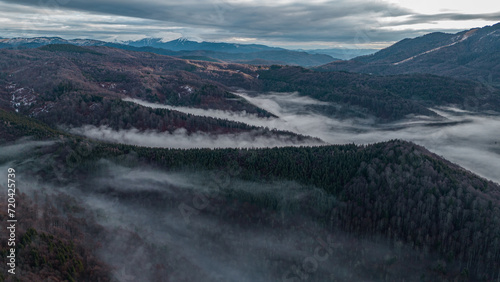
point(396, 210)
point(443, 210)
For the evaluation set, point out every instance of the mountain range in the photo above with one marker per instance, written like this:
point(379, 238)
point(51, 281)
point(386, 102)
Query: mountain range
point(227, 52)
point(471, 54)
point(183, 44)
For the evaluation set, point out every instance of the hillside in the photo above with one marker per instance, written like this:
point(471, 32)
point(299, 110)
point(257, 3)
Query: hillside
point(83, 79)
point(268, 142)
point(471, 54)
point(71, 86)
point(381, 208)
point(386, 98)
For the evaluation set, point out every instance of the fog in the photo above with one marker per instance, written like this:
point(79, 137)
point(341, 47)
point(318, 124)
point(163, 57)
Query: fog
point(183, 140)
point(467, 139)
point(198, 246)
point(289, 107)
point(22, 146)
point(150, 237)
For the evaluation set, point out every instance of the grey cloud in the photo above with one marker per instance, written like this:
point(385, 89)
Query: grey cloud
point(422, 18)
point(332, 21)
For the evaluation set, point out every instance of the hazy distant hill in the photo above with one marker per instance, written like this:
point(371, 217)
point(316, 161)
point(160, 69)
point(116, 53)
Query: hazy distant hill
point(240, 53)
point(228, 52)
point(35, 42)
point(472, 54)
point(183, 44)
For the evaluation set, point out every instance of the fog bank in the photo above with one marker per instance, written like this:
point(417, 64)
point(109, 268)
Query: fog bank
point(181, 139)
point(465, 138)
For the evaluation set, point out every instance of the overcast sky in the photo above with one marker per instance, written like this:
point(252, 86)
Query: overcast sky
point(283, 23)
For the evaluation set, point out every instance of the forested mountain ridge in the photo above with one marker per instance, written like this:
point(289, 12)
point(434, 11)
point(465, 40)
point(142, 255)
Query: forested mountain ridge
point(72, 86)
point(183, 44)
point(387, 98)
point(54, 69)
point(394, 190)
point(471, 54)
point(35, 80)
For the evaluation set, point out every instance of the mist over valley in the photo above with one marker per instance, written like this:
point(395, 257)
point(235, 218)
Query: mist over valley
point(235, 146)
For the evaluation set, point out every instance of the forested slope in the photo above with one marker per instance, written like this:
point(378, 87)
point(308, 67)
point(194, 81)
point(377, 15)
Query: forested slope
point(470, 54)
point(387, 98)
point(394, 190)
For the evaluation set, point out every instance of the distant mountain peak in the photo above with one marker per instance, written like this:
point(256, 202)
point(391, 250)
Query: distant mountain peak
point(186, 44)
point(182, 39)
point(468, 54)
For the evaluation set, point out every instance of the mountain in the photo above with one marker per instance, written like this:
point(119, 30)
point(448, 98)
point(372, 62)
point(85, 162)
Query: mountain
point(271, 57)
point(94, 209)
point(386, 98)
point(42, 41)
point(471, 54)
point(183, 44)
point(73, 87)
point(342, 53)
point(237, 53)
point(386, 211)
point(205, 51)
point(55, 75)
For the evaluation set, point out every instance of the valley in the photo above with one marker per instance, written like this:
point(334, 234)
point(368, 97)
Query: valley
point(137, 163)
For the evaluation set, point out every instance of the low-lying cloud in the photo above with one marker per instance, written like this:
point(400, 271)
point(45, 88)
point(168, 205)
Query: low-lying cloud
point(147, 237)
point(290, 108)
point(462, 137)
point(181, 139)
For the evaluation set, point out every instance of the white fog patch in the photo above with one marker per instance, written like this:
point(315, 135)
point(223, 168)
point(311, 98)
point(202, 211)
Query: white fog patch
point(469, 140)
point(292, 115)
point(472, 142)
point(220, 114)
point(182, 140)
point(279, 103)
point(218, 250)
point(133, 179)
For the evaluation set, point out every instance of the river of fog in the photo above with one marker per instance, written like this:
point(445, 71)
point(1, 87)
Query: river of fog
point(468, 139)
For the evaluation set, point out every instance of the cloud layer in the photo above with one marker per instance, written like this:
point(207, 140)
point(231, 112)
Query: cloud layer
point(459, 136)
point(182, 140)
point(359, 23)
